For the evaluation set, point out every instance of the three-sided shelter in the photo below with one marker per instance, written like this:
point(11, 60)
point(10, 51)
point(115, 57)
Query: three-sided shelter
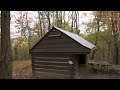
point(59, 53)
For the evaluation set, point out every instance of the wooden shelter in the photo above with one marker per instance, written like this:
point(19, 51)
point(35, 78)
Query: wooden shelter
point(60, 53)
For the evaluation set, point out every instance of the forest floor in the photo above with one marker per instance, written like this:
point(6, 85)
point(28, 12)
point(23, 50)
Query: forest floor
point(22, 70)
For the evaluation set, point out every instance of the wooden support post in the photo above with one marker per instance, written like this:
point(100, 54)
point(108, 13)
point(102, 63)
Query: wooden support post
point(76, 67)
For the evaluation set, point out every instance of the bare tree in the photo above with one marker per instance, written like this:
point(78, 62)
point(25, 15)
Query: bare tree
point(57, 20)
point(114, 23)
point(40, 29)
point(48, 18)
point(41, 22)
point(60, 19)
point(21, 23)
point(72, 22)
point(77, 22)
point(29, 32)
point(97, 15)
point(64, 19)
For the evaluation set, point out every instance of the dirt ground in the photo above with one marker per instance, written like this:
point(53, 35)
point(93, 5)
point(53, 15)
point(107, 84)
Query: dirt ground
point(22, 70)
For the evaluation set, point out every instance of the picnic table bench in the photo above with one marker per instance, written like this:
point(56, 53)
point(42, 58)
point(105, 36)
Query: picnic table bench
point(100, 65)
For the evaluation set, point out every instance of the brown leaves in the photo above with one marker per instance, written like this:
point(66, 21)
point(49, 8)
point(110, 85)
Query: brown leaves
point(22, 69)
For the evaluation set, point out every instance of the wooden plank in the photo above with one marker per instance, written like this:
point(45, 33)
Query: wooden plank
point(52, 55)
point(60, 50)
point(53, 71)
point(52, 75)
point(40, 57)
point(52, 63)
point(52, 59)
point(58, 40)
point(53, 67)
point(58, 45)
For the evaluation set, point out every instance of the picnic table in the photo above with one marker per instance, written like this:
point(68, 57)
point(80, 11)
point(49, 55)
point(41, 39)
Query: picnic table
point(100, 65)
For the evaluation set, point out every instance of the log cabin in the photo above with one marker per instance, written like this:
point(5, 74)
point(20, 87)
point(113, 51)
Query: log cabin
point(60, 53)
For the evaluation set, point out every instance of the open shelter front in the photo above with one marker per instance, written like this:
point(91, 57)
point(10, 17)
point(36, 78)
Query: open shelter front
point(59, 52)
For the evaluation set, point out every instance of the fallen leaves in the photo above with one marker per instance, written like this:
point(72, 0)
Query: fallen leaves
point(22, 69)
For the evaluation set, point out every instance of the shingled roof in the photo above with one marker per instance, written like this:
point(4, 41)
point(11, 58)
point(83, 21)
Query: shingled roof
point(77, 38)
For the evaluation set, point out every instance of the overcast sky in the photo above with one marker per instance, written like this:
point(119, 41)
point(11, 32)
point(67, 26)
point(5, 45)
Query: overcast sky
point(33, 15)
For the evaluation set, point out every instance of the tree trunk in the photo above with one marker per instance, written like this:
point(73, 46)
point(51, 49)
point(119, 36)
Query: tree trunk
point(76, 21)
point(57, 19)
point(64, 19)
point(72, 23)
point(60, 20)
point(29, 42)
point(98, 29)
point(15, 53)
point(38, 27)
point(114, 29)
point(96, 40)
point(116, 52)
point(29, 33)
point(49, 23)
point(40, 24)
point(108, 52)
point(6, 56)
